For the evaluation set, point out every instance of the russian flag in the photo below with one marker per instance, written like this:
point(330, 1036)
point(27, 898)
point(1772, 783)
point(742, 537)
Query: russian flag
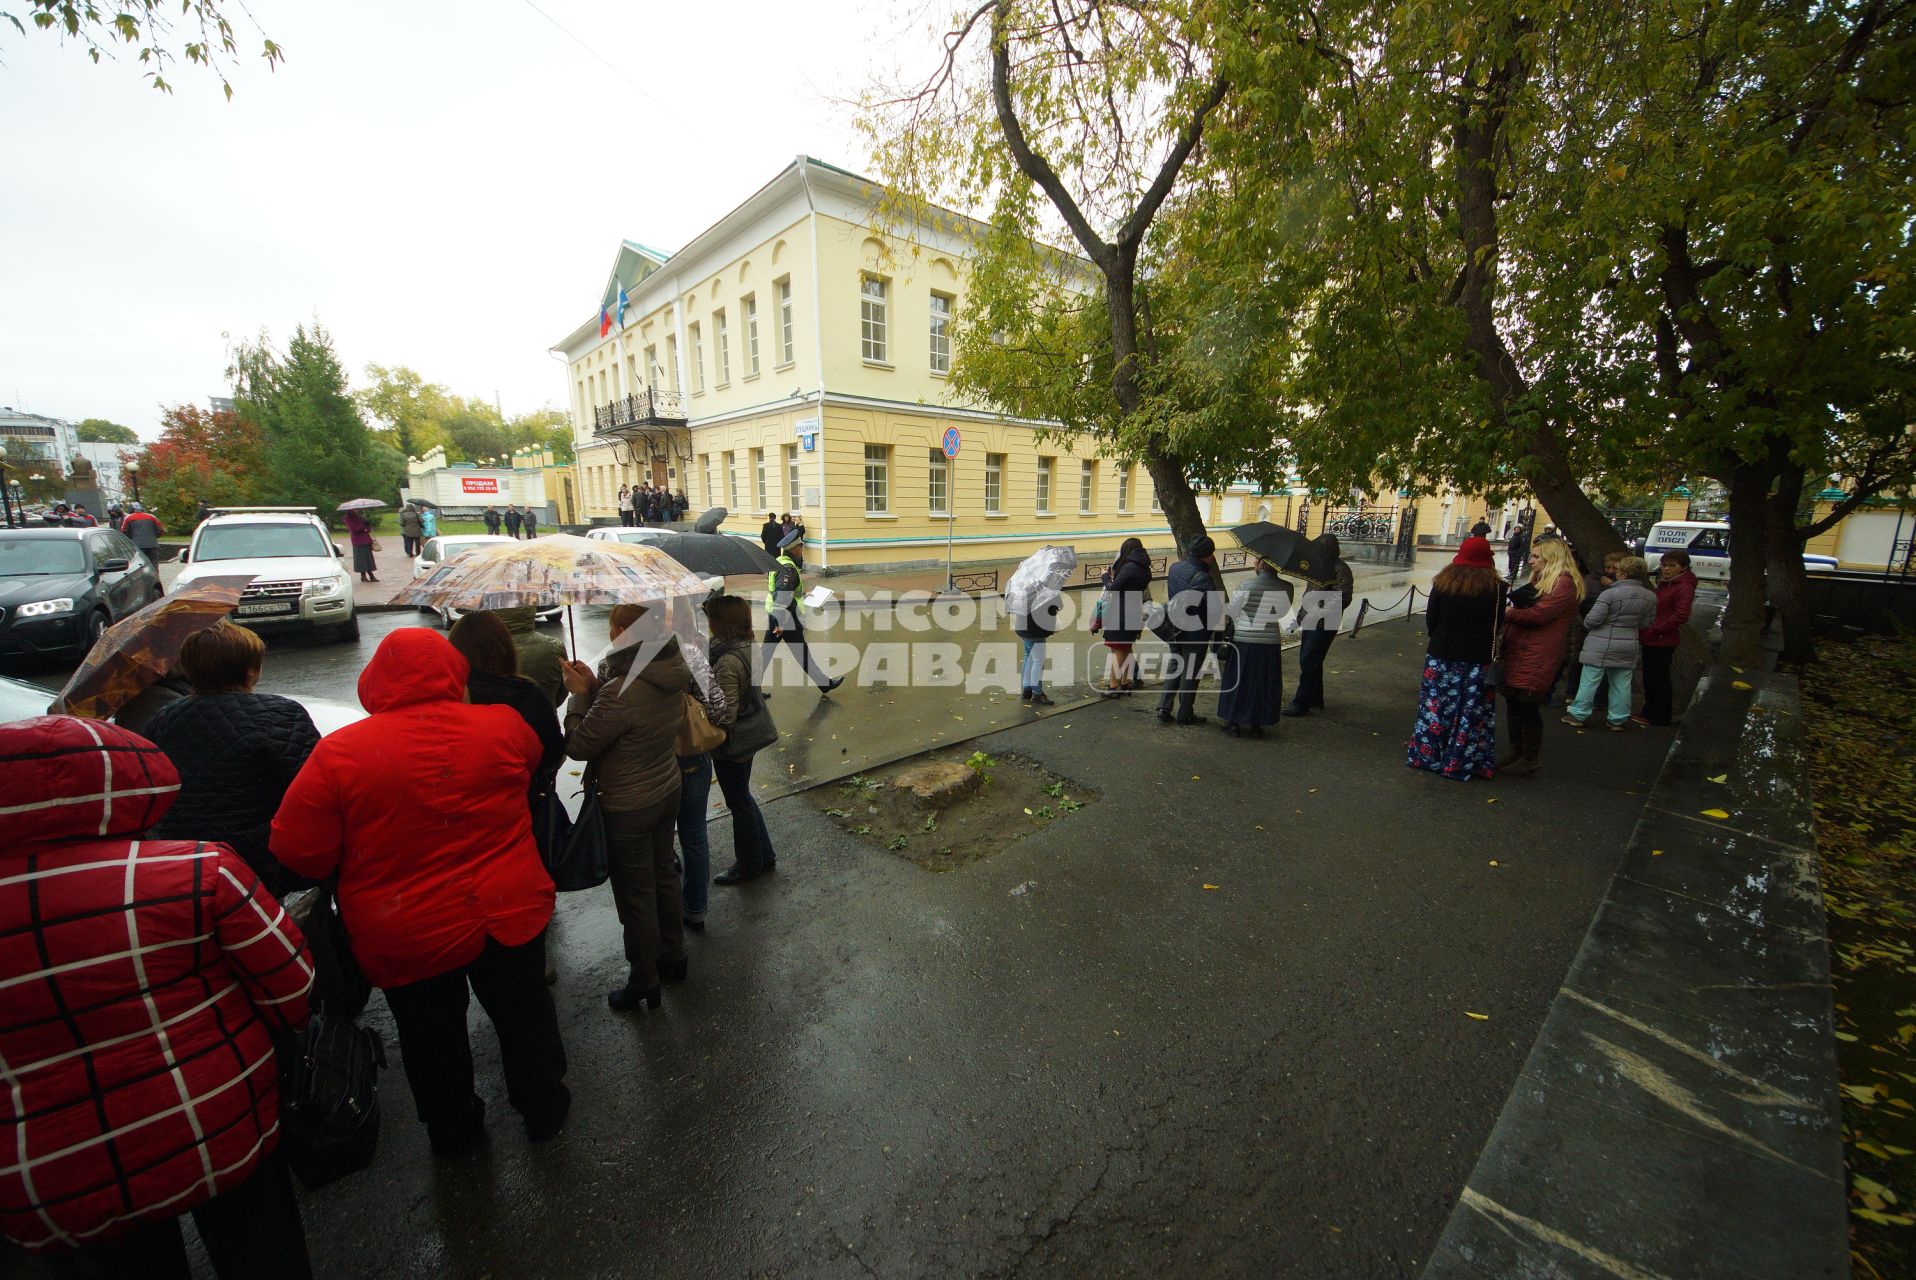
point(605, 320)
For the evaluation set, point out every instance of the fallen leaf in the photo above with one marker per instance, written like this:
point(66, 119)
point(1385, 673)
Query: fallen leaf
point(1715, 813)
point(1194, 777)
point(1845, 1037)
point(1493, 862)
point(1721, 777)
point(1481, 1017)
point(1492, 800)
point(1210, 886)
point(1741, 684)
point(1656, 853)
point(1027, 811)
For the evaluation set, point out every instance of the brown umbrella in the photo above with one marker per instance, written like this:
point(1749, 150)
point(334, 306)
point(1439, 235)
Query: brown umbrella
point(141, 647)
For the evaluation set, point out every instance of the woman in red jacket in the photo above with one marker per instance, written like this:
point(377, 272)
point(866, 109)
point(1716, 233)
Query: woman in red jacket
point(1676, 596)
point(141, 981)
point(1533, 648)
point(420, 810)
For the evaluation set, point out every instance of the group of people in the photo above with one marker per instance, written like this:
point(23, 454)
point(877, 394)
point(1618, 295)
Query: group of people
point(1563, 623)
point(417, 522)
point(783, 534)
point(141, 1047)
point(518, 522)
point(649, 505)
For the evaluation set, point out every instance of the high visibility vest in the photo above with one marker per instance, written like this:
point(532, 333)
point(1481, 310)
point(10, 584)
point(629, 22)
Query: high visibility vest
point(771, 582)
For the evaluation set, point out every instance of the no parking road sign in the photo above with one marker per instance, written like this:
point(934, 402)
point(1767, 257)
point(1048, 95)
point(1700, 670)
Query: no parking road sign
point(952, 441)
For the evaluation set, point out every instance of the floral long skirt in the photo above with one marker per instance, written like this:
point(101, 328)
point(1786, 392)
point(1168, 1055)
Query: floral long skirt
point(1456, 731)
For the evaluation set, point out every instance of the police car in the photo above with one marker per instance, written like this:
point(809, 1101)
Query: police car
point(1708, 543)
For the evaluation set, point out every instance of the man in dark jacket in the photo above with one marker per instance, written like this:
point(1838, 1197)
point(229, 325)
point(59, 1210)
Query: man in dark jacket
point(781, 619)
point(492, 521)
point(770, 534)
point(410, 528)
point(142, 530)
point(1320, 614)
point(1195, 610)
point(1517, 550)
point(531, 521)
point(513, 521)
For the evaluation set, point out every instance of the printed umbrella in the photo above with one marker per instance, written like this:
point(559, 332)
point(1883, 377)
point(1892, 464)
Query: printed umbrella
point(559, 569)
point(360, 504)
point(1038, 576)
point(1287, 551)
point(142, 647)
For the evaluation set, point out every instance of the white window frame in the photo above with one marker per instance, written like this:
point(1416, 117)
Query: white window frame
point(748, 308)
point(1157, 504)
point(940, 333)
point(1124, 488)
point(877, 480)
point(787, 344)
point(874, 319)
point(698, 359)
point(705, 469)
point(1046, 466)
point(759, 480)
point(938, 484)
point(795, 490)
point(672, 361)
point(652, 364)
point(994, 484)
point(1087, 488)
point(722, 336)
point(730, 459)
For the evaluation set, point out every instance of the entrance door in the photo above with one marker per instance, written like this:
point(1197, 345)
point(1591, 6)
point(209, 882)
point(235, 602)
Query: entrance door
point(658, 473)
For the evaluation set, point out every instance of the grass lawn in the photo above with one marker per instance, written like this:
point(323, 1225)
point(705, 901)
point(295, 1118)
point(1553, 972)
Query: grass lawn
point(1860, 701)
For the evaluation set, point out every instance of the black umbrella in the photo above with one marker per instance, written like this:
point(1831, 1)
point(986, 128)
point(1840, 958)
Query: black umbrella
point(711, 520)
point(1287, 551)
point(714, 554)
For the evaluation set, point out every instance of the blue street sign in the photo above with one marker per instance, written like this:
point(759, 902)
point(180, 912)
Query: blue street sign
point(952, 441)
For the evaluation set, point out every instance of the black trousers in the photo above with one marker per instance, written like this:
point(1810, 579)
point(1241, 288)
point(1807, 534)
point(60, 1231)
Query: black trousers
point(1181, 680)
point(252, 1230)
point(1312, 648)
point(794, 635)
point(645, 886)
point(412, 543)
point(1658, 696)
point(431, 1017)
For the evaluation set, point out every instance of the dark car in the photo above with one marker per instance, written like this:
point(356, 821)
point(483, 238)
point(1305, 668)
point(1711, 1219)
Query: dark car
point(60, 588)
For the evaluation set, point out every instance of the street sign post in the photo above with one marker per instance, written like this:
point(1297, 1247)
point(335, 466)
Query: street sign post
point(951, 444)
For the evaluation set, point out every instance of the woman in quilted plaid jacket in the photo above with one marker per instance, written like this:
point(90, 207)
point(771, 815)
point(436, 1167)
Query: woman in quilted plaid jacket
point(141, 980)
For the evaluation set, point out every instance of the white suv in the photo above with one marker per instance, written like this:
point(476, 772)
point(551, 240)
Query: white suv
point(298, 582)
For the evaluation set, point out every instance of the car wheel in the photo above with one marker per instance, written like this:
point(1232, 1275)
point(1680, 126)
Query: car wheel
point(348, 632)
point(95, 627)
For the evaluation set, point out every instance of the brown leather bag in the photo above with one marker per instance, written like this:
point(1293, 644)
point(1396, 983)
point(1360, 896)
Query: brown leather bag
point(697, 735)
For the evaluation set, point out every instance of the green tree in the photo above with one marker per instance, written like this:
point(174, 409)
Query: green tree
point(316, 443)
point(1084, 120)
point(408, 409)
point(100, 431)
point(547, 428)
point(158, 31)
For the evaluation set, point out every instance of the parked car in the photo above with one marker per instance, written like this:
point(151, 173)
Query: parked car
point(1708, 542)
point(60, 588)
point(436, 551)
point(646, 537)
point(23, 700)
point(300, 582)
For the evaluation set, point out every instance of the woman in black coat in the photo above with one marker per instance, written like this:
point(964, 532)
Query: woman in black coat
point(237, 751)
point(1127, 586)
point(493, 678)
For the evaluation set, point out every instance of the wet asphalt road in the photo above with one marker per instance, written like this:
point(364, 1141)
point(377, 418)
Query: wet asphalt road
point(1075, 1058)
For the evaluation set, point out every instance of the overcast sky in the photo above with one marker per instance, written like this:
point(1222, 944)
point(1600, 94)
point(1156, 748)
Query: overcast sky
point(442, 184)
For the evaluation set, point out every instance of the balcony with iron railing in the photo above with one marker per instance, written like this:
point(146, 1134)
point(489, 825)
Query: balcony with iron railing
point(650, 407)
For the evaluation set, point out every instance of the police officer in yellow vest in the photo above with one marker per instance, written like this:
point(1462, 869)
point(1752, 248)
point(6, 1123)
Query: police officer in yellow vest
point(781, 615)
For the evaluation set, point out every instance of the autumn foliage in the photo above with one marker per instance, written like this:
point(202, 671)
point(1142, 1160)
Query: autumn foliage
point(201, 455)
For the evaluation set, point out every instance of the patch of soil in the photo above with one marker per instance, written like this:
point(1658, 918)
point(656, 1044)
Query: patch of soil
point(1019, 798)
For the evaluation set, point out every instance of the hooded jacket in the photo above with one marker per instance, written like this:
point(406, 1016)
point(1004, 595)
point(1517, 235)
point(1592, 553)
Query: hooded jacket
point(627, 729)
point(541, 658)
point(105, 938)
point(1675, 598)
point(433, 848)
point(1128, 584)
point(1611, 626)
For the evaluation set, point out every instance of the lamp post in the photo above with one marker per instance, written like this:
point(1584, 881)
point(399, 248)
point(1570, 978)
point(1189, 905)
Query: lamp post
point(133, 474)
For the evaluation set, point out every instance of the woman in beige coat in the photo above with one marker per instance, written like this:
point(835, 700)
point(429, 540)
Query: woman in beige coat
point(626, 728)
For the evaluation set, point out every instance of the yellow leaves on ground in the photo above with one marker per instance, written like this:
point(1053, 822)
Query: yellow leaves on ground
point(1720, 778)
point(1715, 813)
point(1741, 684)
point(1210, 886)
point(1480, 1017)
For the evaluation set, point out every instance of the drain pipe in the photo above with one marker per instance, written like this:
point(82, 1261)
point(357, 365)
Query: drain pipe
point(818, 352)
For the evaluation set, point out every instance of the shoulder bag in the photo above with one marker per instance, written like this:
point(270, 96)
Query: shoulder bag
point(754, 729)
point(697, 735)
point(580, 861)
point(329, 1097)
point(340, 986)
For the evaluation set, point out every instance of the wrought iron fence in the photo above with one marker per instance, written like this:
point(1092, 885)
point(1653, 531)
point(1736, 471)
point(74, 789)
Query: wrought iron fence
point(1361, 523)
point(980, 582)
point(1632, 523)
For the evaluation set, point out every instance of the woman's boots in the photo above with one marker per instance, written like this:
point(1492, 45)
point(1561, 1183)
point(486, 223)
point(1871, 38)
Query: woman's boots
point(1529, 752)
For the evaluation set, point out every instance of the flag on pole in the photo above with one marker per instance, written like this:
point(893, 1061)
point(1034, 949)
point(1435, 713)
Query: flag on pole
point(605, 320)
point(621, 307)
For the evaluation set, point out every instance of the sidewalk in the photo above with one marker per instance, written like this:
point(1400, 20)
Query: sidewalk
point(1216, 1023)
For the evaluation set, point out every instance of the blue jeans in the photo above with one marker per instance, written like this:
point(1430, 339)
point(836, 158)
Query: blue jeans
point(751, 839)
point(1618, 679)
point(1032, 675)
point(695, 778)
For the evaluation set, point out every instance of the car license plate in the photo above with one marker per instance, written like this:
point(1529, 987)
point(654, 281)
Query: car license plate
point(270, 607)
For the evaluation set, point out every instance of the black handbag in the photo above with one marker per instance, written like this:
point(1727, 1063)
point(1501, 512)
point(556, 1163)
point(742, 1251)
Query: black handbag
point(329, 1098)
point(340, 986)
point(580, 861)
point(551, 825)
point(752, 732)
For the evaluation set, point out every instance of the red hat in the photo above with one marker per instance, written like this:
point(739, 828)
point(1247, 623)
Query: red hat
point(1475, 554)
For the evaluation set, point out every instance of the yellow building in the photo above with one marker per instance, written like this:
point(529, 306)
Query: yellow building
point(793, 357)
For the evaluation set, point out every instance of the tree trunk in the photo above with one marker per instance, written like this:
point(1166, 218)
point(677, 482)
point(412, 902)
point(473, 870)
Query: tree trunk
point(1749, 484)
point(1578, 518)
point(1177, 498)
point(1783, 566)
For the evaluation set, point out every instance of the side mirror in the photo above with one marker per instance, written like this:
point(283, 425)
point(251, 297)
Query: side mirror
point(118, 564)
point(337, 553)
point(182, 555)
